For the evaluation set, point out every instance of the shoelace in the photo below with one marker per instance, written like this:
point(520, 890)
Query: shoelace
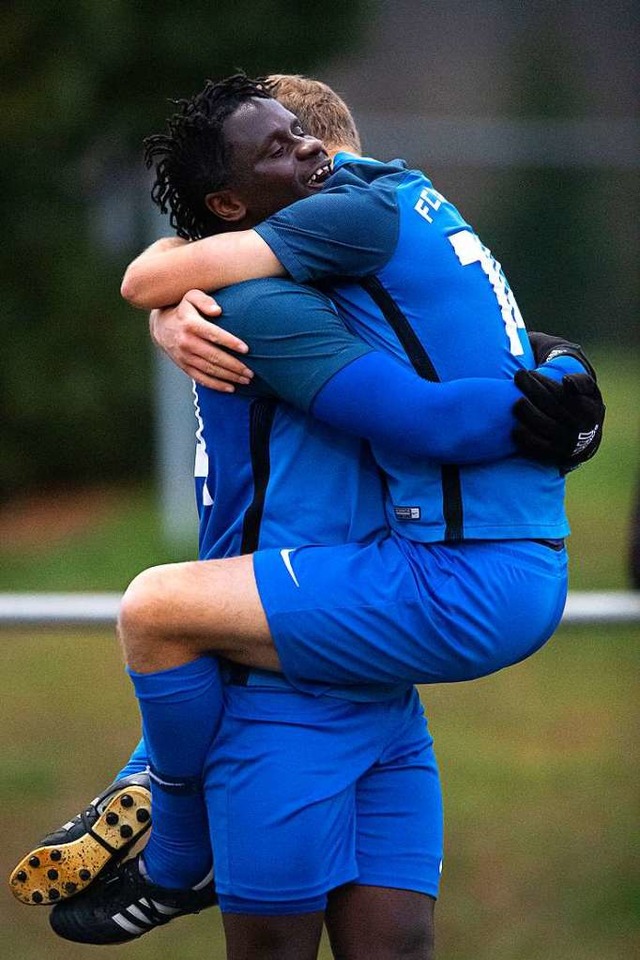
point(86, 818)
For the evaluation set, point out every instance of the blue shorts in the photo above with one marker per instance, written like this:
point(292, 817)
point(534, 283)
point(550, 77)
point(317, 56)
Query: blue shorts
point(305, 794)
point(393, 610)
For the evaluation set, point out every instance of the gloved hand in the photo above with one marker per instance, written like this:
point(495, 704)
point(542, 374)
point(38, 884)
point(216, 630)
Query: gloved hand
point(559, 422)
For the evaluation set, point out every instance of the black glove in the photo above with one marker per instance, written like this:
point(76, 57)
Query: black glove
point(559, 423)
point(545, 347)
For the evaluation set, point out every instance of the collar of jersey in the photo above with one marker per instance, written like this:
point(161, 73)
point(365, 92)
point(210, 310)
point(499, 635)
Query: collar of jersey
point(343, 157)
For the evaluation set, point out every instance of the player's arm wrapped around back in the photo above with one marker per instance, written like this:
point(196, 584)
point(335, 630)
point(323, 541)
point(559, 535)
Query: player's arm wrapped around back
point(561, 414)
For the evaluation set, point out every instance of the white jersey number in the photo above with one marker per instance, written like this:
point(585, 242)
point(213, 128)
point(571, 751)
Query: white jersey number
point(469, 249)
point(202, 457)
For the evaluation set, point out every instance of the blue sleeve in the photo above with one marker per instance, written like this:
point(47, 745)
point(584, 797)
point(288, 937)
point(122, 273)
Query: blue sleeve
point(345, 231)
point(296, 339)
point(561, 366)
point(460, 421)
point(302, 353)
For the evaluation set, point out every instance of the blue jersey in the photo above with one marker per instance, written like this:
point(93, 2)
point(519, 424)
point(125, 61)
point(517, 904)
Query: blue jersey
point(267, 474)
point(411, 277)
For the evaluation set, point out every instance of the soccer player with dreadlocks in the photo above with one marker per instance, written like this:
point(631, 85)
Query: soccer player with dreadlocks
point(380, 642)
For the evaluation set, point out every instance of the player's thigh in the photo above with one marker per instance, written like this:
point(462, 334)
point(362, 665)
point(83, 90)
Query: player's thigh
point(396, 611)
point(251, 937)
point(501, 602)
point(341, 614)
point(378, 923)
point(209, 604)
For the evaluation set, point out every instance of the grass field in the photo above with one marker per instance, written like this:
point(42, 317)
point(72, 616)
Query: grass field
point(538, 766)
point(538, 762)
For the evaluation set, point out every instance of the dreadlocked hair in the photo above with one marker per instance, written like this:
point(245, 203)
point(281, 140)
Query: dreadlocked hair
point(191, 158)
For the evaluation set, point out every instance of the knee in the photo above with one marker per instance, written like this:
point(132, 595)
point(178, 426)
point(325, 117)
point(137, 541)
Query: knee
point(413, 944)
point(408, 941)
point(141, 606)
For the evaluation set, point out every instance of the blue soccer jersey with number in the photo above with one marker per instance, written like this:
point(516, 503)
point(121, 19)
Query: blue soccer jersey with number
point(409, 276)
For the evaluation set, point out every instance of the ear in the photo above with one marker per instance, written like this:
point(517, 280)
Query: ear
point(226, 204)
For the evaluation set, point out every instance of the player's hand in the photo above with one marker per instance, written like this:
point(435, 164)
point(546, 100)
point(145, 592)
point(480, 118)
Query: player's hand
point(199, 347)
point(558, 423)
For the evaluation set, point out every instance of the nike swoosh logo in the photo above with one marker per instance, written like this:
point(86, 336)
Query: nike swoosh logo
point(286, 559)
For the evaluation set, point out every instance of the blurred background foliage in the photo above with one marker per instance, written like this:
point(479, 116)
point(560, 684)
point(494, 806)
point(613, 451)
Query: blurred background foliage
point(83, 83)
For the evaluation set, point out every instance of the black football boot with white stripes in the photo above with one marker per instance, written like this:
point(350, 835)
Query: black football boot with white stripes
point(68, 860)
point(124, 905)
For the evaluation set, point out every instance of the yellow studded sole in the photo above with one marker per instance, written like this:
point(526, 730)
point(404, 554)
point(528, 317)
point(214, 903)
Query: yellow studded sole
point(52, 873)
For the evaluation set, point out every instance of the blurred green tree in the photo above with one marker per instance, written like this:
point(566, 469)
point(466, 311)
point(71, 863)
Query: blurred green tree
point(83, 83)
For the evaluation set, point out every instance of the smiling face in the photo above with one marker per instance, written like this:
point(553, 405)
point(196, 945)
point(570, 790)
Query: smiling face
point(273, 162)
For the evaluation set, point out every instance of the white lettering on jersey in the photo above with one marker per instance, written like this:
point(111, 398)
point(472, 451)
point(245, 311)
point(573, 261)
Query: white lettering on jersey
point(201, 468)
point(428, 202)
point(469, 249)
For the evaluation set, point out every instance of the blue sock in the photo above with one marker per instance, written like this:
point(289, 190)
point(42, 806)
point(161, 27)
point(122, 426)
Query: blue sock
point(137, 762)
point(181, 710)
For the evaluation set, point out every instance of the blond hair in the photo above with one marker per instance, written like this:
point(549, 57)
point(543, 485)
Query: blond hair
point(319, 109)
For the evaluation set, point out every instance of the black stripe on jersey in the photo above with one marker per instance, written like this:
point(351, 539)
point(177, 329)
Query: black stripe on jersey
point(261, 414)
point(452, 502)
point(414, 349)
point(419, 359)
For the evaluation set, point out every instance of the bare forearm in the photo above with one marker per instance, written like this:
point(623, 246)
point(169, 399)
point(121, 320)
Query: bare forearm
point(164, 272)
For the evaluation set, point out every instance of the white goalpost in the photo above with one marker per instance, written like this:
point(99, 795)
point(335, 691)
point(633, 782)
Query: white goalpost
point(100, 609)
